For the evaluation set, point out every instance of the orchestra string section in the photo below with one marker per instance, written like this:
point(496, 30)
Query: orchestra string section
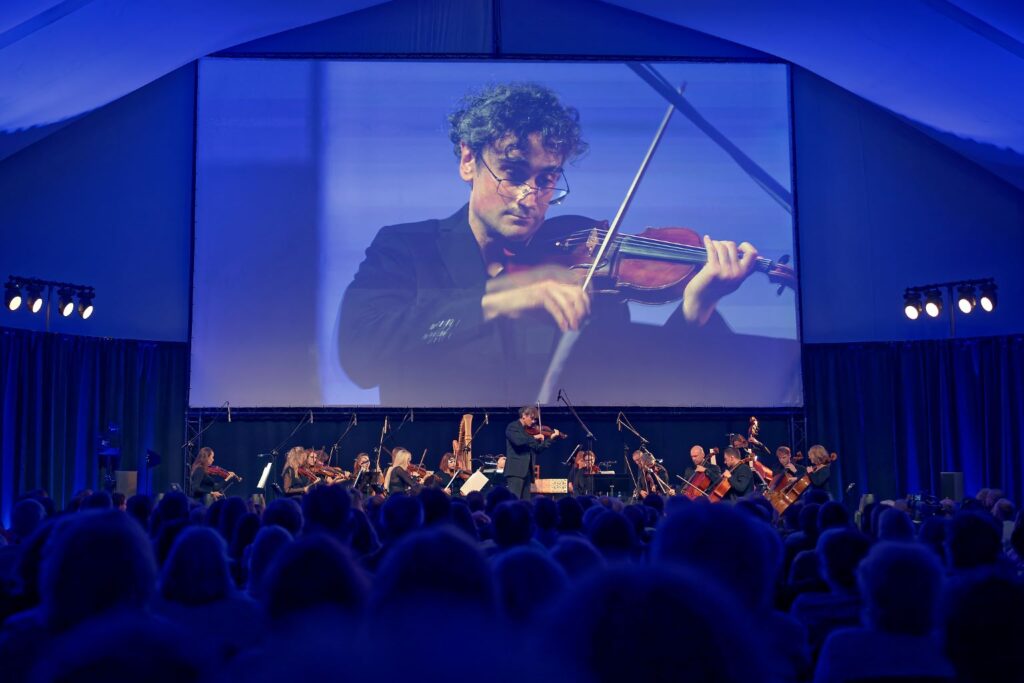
point(530, 452)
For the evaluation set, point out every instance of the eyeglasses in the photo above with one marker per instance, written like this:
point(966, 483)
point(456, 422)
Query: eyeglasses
point(553, 193)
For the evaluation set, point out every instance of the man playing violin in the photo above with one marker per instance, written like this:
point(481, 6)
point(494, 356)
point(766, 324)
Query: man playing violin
point(700, 464)
point(521, 448)
point(435, 314)
point(739, 474)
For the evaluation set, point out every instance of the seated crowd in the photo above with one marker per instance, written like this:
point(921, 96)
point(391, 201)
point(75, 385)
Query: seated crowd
point(334, 587)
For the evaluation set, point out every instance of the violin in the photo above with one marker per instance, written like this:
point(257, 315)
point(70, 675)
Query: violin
point(548, 432)
point(215, 471)
point(651, 267)
point(585, 463)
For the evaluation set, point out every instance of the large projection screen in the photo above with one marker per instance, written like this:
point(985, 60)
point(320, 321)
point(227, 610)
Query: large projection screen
point(346, 255)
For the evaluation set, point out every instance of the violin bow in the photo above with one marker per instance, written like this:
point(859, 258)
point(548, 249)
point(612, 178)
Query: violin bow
point(569, 337)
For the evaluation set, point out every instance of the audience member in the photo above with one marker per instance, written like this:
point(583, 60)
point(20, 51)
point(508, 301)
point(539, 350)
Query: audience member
point(900, 584)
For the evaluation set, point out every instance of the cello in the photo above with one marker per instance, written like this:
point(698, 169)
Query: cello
point(697, 486)
point(718, 493)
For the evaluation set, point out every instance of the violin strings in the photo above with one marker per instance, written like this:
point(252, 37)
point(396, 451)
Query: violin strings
point(658, 245)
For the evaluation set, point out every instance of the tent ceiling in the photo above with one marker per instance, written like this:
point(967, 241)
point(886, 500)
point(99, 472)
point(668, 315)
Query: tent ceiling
point(953, 68)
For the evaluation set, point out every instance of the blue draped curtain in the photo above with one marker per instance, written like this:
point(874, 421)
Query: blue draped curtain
point(900, 413)
point(58, 393)
point(897, 414)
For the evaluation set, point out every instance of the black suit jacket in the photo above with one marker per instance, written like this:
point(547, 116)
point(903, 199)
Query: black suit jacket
point(411, 323)
point(520, 448)
point(741, 480)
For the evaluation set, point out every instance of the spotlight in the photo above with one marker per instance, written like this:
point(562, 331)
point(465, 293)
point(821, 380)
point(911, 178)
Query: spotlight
point(912, 305)
point(65, 302)
point(85, 304)
point(12, 296)
point(35, 297)
point(965, 300)
point(987, 300)
point(933, 303)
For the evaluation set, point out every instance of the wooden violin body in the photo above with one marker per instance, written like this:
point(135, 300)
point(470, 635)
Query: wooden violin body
point(651, 267)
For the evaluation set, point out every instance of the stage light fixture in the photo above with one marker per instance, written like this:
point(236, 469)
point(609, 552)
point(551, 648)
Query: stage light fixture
point(912, 305)
point(85, 307)
point(933, 303)
point(35, 297)
point(12, 296)
point(987, 300)
point(965, 300)
point(65, 302)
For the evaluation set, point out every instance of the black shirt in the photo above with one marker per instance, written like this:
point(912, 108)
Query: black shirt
point(411, 323)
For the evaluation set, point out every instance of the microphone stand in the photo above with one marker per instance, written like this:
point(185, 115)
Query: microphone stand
point(306, 419)
point(337, 444)
point(564, 398)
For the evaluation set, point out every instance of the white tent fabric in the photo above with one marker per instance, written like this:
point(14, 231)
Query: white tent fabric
point(953, 68)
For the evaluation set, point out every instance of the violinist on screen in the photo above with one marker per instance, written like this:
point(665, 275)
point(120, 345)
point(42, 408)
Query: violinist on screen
point(208, 480)
point(435, 315)
point(521, 448)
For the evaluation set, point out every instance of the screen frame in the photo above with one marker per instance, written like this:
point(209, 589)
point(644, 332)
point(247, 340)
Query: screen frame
point(328, 409)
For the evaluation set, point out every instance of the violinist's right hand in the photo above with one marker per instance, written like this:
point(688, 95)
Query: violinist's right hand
point(539, 436)
point(549, 290)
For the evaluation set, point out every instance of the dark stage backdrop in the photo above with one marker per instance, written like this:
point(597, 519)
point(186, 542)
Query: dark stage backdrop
point(238, 444)
point(58, 393)
point(900, 413)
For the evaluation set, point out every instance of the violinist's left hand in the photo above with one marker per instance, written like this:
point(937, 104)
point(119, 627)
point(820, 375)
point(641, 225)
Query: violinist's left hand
point(724, 272)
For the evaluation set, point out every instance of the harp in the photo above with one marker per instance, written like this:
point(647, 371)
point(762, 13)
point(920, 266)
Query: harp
point(463, 446)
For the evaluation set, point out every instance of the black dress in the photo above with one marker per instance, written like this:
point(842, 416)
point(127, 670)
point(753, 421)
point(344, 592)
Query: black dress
point(401, 482)
point(582, 482)
point(294, 483)
point(203, 484)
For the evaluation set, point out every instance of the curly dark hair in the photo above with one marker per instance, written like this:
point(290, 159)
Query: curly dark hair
point(485, 117)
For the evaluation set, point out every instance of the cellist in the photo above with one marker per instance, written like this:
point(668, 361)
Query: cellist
point(739, 474)
point(820, 468)
point(787, 472)
point(700, 464)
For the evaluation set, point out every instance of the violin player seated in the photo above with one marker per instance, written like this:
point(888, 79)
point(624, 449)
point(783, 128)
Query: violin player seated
point(739, 474)
point(397, 478)
point(207, 480)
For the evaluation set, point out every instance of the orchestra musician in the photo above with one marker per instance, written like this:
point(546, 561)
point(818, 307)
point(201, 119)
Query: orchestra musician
point(820, 469)
point(434, 315)
point(296, 477)
point(202, 480)
point(701, 464)
point(328, 474)
point(739, 474)
point(584, 468)
point(521, 448)
point(652, 477)
point(787, 473)
point(397, 478)
point(362, 477)
point(448, 469)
